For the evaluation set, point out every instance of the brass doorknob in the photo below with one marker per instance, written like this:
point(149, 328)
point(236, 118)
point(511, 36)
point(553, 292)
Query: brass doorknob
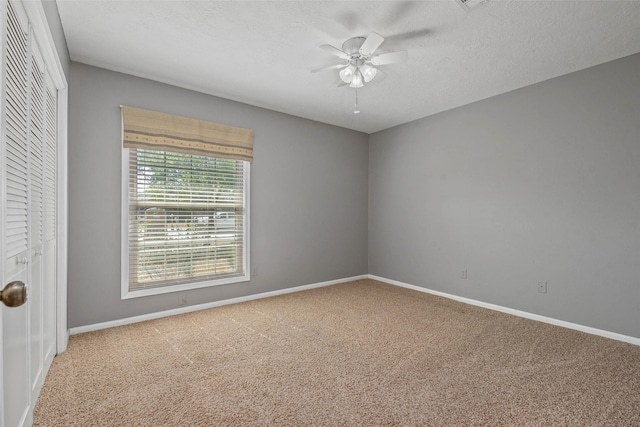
point(14, 294)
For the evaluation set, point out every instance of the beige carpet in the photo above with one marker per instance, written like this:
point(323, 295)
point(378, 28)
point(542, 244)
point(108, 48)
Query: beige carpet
point(361, 353)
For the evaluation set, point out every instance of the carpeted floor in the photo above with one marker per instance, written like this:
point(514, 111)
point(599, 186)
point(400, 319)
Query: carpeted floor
point(360, 353)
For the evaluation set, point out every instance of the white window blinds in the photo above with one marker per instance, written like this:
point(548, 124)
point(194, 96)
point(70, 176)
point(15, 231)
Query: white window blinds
point(186, 218)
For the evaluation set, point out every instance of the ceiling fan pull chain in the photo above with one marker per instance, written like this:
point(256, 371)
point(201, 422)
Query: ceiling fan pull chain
point(356, 111)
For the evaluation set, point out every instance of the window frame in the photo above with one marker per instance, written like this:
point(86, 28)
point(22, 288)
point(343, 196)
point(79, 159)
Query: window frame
point(126, 293)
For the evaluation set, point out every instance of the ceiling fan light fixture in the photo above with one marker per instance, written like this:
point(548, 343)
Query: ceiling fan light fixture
point(368, 72)
point(347, 74)
point(358, 80)
point(360, 60)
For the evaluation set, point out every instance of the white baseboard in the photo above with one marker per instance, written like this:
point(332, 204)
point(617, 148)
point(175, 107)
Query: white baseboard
point(181, 310)
point(526, 315)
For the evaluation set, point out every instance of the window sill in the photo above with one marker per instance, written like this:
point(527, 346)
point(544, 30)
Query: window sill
point(183, 287)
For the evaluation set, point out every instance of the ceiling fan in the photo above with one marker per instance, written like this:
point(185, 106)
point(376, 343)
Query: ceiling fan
point(360, 61)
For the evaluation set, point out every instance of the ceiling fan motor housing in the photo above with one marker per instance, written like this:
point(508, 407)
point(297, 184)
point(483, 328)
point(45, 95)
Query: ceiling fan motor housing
point(352, 46)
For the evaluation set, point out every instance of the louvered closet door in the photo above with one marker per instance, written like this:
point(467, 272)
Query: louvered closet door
point(15, 321)
point(36, 150)
point(49, 223)
point(28, 216)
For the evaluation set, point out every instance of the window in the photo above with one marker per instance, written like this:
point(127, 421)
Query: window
point(185, 216)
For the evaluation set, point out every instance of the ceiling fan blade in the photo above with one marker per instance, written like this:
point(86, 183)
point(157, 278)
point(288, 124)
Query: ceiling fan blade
point(380, 76)
point(371, 44)
point(335, 51)
point(390, 58)
point(408, 35)
point(327, 67)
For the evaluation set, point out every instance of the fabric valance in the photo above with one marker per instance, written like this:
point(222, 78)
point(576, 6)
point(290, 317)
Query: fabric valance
point(160, 131)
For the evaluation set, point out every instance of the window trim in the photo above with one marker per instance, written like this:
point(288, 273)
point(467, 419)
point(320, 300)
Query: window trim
point(124, 243)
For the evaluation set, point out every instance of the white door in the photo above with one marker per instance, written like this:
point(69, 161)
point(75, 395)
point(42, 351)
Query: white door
point(27, 218)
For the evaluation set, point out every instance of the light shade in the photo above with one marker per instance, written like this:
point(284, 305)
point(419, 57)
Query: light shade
point(368, 72)
point(357, 80)
point(346, 74)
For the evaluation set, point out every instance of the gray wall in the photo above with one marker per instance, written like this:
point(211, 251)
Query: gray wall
point(308, 195)
point(539, 184)
point(55, 25)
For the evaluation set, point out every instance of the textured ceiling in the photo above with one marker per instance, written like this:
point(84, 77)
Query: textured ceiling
point(260, 52)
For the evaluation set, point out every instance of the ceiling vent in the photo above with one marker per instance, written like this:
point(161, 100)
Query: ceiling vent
point(470, 4)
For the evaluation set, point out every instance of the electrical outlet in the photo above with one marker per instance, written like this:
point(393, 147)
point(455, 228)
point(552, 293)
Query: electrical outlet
point(463, 274)
point(542, 287)
point(183, 299)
